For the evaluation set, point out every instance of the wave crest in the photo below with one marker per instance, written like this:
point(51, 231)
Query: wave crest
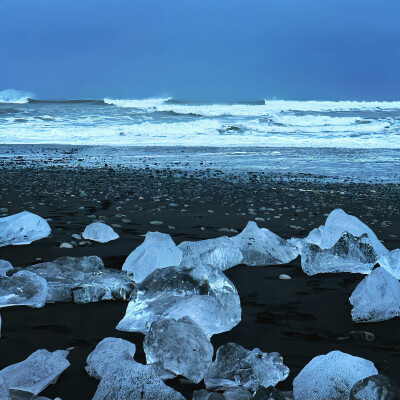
point(15, 96)
point(143, 104)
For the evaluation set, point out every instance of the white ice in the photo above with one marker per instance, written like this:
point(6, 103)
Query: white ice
point(391, 262)
point(99, 232)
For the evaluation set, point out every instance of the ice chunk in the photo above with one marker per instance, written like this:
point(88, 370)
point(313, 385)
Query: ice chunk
point(99, 232)
point(157, 251)
point(219, 253)
point(121, 377)
point(4, 267)
point(272, 393)
point(180, 346)
point(331, 376)
point(376, 298)
point(376, 387)
point(391, 262)
point(4, 392)
point(204, 394)
point(260, 246)
point(22, 228)
point(168, 291)
point(37, 372)
point(344, 244)
point(23, 289)
point(237, 393)
point(83, 280)
point(23, 395)
point(236, 366)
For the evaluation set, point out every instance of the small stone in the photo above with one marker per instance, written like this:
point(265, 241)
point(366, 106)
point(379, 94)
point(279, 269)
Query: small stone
point(66, 245)
point(284, 277)
point(156, 222)
point(76, 236)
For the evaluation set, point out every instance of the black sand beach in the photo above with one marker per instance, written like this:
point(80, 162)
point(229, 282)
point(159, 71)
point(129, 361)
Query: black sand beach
point(300, 318)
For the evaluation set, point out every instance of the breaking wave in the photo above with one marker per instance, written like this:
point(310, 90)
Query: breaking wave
point(13, 96)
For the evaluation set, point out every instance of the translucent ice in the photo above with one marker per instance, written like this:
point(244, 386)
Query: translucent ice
point(219, 253)
point(376, 387)
point(344, 244)
point(121, 377)
point(168, 292)
point(260, 246)
point(37, 372)
point(180, 346)
point(83, 280)
point(23, 289)
point(4, 267)
point(391, 262)
point(22, 228)
point(331, 376)
point(99, 232)
point(235, 366)
point(157, 251)
point(4, 392)
point(376, 298)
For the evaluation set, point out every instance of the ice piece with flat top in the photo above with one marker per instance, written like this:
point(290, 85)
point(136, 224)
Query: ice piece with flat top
point(37, 372)
point(235, 366)
point(22, 228)
point(343, 244)
point(260, 246)
point(331, 376)
point(24, 288)
point(82, 280)
point(376, 298)
point(157, 251)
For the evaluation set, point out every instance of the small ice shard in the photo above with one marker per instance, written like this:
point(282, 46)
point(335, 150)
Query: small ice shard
point(376, 387)
point(180, 346)
point(168, 292)
point(204, 394)
point(343, 244)
point(236, 366)
point(271, 393)
point(218, 253)
point(82, 280)
point(331, 376)
point(23, 289)
point(37, 372)
point(376, 298)
point(391, 262)
point(4, 392)
point(157, 251)
point(4, 267)
point(99, 232)
point(22, 228)
point(121, 377)
point(237, 393)
point(260, 246)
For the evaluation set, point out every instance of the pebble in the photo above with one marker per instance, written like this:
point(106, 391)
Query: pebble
point(3, 210)
point(76, 236)
point(259, 219)
point(156, 222)
point(284, 277)
point(171, 227)
point(66, 246)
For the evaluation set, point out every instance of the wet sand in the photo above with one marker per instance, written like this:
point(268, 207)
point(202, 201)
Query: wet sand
point(299, 318)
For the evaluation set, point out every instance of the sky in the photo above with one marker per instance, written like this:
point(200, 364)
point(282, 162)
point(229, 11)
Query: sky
point(202, 49)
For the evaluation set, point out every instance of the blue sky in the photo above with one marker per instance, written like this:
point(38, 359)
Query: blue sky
point(202, 49)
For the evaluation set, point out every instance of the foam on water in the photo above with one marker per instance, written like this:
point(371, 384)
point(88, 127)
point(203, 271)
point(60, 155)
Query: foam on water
point(15, 96)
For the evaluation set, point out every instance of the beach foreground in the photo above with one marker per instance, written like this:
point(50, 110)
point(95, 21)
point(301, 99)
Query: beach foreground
point(299, 318)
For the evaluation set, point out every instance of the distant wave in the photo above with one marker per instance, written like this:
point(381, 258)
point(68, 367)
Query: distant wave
point(13, 96)
point(142, 104)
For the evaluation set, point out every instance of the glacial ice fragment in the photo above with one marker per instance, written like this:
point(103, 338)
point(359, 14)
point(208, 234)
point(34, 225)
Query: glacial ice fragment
point(391, 262)
point(331, 376)
point(37, 372)
point(376, 298)
point(181, 346)
point(260, 246)
point(121, 377)
point(23, 289)
point(99, 232)
point(22, 228)
point(4, 267)
point(168, 292)
point(218, 253)
point(82, 280)
point(376, 387)
point(344, 244)
point(157, 251)
point(204, 394)
point(236, 366)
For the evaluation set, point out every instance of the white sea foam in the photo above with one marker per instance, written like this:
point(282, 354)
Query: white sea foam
point(15, 96)
point(141, 104)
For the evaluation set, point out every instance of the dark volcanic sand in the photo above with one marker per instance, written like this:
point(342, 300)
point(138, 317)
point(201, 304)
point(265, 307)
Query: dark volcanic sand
point(300, 318)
